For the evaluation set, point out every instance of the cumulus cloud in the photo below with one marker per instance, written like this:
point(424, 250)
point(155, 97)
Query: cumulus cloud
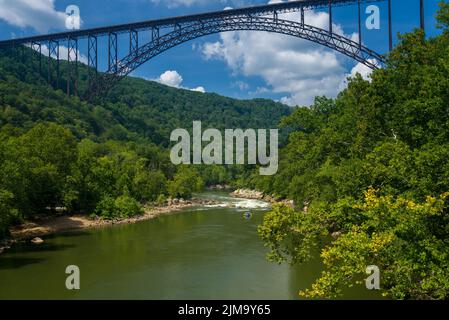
point(199, 89)
point(40, 15)
point(298, 68)
point(173, 79)
point(363, 70)
point(243, 86)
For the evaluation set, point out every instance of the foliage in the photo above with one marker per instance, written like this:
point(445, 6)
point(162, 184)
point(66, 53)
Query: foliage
point(185, 182)
point(406, 240)
point(107, 157)
point(388, 134)
point(127, 206)
point(7, 211)
point(106, 208)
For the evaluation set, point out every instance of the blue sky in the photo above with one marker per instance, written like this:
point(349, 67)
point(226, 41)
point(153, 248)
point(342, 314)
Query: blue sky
point(242, 65)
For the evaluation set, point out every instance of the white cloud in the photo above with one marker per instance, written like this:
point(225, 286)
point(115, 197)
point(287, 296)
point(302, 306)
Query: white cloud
point(298, 68)
point(199, 89)
point(38, 14)
point(173, 79)
point(363, 70)
point(243, 86)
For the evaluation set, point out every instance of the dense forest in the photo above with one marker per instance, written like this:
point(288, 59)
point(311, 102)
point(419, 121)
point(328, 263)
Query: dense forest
point(106, 158)
point(368, 171)
point(371, 170)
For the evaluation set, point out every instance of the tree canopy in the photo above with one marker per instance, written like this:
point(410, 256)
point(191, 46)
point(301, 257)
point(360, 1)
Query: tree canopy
point(370, 168)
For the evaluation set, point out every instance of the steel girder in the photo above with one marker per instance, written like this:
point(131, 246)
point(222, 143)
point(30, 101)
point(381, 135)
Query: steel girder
point(112, 52)
point(53, 52)
point(202, 28)
point(72, 65)
point(255, 11)
point(92, 58)
point(133, 41)
point(36, 46)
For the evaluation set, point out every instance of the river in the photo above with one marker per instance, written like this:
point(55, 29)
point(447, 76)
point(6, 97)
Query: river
point(200, 253)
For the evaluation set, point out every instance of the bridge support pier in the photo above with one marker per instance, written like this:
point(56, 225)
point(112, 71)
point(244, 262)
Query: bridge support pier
point(133, 42)
point(92, 59)
point(303, 20)
point(390, 27)
point(112, 52)
point(36, 46)
point(422, 15)
point(53, 51)
point(155, 35)
point(177, 28)
point(360, 24)
point(72, 65)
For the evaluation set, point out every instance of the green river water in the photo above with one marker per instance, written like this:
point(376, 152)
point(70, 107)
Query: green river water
point(200, 253)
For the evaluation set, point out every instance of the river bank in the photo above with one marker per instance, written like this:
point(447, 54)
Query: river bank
point(31, 230)
point(42, 227)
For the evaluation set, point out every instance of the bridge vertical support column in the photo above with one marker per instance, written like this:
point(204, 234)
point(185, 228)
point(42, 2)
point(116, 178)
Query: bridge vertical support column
point(390, 27)
point(36, 46)
point(112, 52)
point(92, 58)
point(330, 17)
point(360, 24)
point(133, 42)
point(421, 15)
point(177, 28)
point(53, 51)
point(302, 16)
point(72, 73)
point(155, 35)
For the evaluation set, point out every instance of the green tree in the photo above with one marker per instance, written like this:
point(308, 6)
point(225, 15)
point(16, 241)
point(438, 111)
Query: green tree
point(185, 182)
point(388, 136)
point(8, 213)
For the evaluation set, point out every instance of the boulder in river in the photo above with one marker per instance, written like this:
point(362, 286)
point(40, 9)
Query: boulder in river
point(248, 194)
point(37, 240)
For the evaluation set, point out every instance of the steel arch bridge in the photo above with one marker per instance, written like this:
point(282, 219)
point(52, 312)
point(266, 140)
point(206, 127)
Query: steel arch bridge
point(171, 32)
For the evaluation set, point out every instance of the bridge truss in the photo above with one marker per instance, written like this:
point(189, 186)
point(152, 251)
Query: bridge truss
point(170, 32)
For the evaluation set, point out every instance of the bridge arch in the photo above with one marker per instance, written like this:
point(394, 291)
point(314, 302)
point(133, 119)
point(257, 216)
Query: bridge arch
point(201, 28)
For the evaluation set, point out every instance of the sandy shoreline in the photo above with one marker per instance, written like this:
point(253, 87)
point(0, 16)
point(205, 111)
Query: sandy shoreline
point(48, 226)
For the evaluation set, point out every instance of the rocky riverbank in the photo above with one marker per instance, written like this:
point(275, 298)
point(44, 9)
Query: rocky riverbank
point(258, 195)
point(42, 227)
point(219, 187)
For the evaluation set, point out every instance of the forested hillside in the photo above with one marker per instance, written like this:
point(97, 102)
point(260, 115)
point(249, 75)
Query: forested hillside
point(135, 109)
point(371, 170)
point(105, 158)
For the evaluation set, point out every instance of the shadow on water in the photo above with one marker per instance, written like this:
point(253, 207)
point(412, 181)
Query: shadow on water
point(9, 263)
point(46, 247)
point(69, 234)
